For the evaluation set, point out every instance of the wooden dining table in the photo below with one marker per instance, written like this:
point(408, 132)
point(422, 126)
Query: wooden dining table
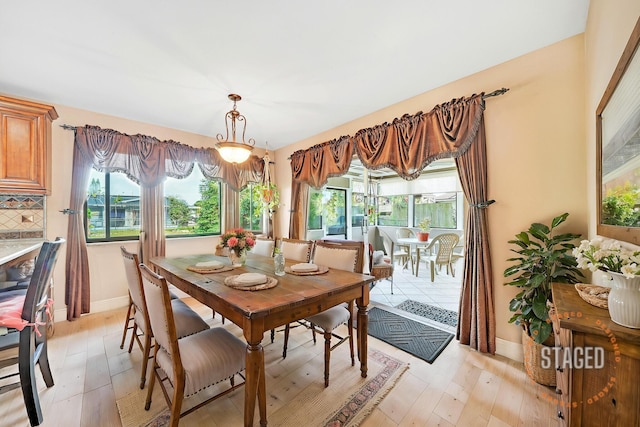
point(256, 312)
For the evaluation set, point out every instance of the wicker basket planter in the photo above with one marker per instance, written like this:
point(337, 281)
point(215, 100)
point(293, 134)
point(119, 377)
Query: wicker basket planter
point(533, 361)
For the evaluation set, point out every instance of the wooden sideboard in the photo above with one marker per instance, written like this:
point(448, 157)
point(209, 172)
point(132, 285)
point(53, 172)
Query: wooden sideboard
point(25, 146)
point(606, 390)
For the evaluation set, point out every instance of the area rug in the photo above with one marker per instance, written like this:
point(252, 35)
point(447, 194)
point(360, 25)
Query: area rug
point(418, 339)
point(437, 314)
point(315, 406)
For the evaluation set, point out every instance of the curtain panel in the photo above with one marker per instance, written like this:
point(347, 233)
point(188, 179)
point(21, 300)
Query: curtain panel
point(147, 161)
point(407, 145)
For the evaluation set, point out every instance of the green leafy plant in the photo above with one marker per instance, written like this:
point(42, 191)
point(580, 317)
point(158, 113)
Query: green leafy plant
point(542, 258)
point(425, 225)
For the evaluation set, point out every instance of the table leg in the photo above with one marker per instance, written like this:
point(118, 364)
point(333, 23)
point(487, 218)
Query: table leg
point(363, 324)
point(255, 384)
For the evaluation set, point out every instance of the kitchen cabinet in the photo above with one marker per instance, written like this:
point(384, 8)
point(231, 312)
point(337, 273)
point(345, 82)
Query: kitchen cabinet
point(25, 146)
point(597, 371)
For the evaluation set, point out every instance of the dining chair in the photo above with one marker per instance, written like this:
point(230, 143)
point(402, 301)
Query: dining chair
point(188, 322)
point(263, 247)
point(31, 312)
point(457, 253)
point(295, 250)
point(438, 253)
point(404, 252)
point(190, 364)
point(340, 255)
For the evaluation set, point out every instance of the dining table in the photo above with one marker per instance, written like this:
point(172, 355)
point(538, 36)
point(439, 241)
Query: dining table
point(415, 245)
point(294, 297)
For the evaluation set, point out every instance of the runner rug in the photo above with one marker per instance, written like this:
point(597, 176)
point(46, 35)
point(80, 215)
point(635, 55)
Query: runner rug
point(437, 314)
point(313, 406)
point(419, 339)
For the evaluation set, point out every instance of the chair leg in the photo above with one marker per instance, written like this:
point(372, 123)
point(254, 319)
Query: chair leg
point(176, 403)
point(286, 341)
point(350, 327)
point(433, 270)
point(273, 335)
point(45, 369)
point(128, 319)
point(26, 368)
point(152, 380)
point(133, 336)
point(327, 356)
point(145, 359)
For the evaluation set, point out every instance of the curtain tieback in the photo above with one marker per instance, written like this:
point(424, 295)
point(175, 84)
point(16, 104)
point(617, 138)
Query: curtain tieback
point(482, 205)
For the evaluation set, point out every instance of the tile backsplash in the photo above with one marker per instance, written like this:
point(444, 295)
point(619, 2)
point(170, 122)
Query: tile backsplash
point(22, 216)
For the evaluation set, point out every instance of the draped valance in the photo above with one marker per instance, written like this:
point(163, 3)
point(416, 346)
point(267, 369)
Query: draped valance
point(406, 145)
point(148, 161)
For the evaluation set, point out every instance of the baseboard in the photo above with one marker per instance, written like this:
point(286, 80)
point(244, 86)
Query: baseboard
point(96, 307)
point(510, 349)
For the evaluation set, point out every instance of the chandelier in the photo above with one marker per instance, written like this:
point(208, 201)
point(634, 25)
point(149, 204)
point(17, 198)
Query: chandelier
point(233, 151)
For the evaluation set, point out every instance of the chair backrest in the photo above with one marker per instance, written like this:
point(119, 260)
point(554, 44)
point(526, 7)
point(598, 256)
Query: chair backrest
point(296, 250)
point(134, 281)
point(446, 242)
point(263, 247)
point(345, 255)
point(37, 292)
point(403, 233)
point(160, 313)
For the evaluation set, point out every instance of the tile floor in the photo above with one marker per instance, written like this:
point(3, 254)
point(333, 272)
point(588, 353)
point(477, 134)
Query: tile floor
point(443, 292)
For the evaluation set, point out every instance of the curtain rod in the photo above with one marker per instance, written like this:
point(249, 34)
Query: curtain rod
point(68, 127)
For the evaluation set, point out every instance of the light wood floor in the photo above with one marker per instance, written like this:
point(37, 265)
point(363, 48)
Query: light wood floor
point(461, 388)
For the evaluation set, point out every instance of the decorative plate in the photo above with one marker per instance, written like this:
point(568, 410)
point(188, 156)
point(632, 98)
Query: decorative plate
point(321, 270)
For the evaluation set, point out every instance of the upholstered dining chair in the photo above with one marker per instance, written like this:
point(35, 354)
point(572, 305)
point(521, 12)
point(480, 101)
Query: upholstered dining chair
point(188, 322)
point(263, 247)
point(27, 331)
point(341, 255)
point(438, 253)
point(296, 250)
point(192, 363)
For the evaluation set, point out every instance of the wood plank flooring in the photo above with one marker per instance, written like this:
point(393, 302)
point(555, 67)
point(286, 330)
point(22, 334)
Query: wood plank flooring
point(461, 388)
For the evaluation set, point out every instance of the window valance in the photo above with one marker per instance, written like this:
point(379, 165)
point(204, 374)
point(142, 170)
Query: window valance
point(406, 145)
point(148, 161)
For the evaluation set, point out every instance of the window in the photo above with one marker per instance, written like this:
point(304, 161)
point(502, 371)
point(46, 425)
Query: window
point(251, 208)
point(440, 207)
point(393, 210)
point(112, 207)
point(192, 205)
point(314, 216)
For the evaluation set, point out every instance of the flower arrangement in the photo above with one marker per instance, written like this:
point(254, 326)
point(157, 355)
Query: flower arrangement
point(238, 240)
point(607, 255)
point(425, 224)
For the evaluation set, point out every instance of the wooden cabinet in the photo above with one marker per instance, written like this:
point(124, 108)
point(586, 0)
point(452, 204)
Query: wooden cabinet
point(598, 364)
point(25, 146)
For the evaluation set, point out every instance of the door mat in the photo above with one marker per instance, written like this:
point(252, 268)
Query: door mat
point(440, 315)
point(418, 339)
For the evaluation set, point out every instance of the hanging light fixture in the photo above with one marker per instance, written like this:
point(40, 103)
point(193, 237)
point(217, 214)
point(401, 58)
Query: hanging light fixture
point(233, 151)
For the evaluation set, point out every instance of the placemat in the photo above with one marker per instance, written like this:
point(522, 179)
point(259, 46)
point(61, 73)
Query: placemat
point(271, 283)
point(209, 270)
point(321, 270)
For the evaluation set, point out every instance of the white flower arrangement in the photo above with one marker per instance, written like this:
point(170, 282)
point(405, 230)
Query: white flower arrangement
point(607, 255)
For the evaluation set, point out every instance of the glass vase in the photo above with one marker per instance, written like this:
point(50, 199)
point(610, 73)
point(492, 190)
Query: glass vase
point(238, 259)
point(624, 300)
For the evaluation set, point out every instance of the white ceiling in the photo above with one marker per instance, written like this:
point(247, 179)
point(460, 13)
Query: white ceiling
point(301, 67)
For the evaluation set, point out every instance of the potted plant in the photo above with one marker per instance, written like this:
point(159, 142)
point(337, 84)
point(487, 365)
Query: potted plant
point(425, 226)
point(543, 258)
